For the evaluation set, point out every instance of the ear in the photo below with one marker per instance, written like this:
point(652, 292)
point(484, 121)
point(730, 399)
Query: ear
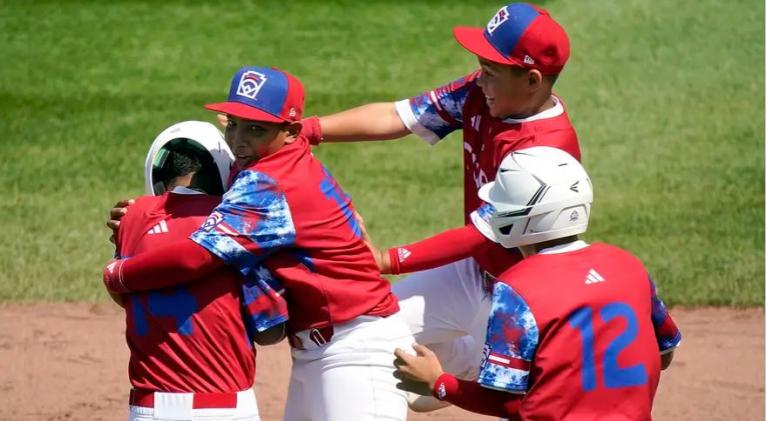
point(293, 130)
point(534, 80)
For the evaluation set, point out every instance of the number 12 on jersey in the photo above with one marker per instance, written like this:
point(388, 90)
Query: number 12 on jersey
point(614, 376)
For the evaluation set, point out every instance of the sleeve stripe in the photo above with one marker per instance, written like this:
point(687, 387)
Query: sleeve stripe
point(411, 122)
point(508, 361)
point(226, 230)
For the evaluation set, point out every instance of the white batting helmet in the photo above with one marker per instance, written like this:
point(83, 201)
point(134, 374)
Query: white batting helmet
point(539, 194)
point(199, 135)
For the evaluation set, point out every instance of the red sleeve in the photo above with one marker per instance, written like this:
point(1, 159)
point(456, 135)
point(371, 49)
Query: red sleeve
point(449, 246)
point(166, 266)
point(471, 396)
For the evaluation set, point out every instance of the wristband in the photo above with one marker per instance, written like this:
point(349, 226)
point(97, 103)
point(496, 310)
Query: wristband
point(312, 130)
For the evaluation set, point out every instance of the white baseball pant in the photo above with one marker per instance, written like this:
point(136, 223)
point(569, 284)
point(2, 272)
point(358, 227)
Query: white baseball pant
point(351, 377)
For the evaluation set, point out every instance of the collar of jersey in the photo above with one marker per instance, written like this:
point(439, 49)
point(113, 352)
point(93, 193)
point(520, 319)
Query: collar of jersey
point(564, 248)
point(184, 190)
point(554, 111)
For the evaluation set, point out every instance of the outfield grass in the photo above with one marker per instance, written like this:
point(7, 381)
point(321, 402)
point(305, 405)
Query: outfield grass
point(667, 98)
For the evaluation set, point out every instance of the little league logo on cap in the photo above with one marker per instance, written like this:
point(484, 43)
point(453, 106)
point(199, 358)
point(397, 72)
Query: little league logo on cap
point(263, 94)
point(500, 17)
point(519, 34)
point(250, 84)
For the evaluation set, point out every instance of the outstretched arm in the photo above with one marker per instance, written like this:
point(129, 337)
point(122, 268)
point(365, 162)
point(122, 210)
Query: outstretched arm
point(376, 121)
point(438, 250)
point(431, 115)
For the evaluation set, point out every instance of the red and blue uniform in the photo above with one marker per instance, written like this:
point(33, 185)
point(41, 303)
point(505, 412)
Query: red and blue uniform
point(288, 202)
point(285, 218)
point(486, 141)
point(185, 338)
point(572, 335)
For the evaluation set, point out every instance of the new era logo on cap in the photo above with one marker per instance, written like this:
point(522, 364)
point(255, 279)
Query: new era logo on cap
point(519, 34)
point(263, 94)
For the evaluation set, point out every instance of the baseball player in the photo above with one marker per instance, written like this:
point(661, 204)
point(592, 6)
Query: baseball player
point(286, 218)
point(506, 105)
point(190, 353)
point(576, 330)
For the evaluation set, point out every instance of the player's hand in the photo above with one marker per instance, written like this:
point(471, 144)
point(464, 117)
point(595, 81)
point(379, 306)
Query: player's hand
point(222, 120)
point(115, 214)
point(381, 258)
point(418, 372)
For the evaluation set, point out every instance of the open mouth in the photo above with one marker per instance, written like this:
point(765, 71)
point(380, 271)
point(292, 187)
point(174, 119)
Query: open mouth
point(242, 160)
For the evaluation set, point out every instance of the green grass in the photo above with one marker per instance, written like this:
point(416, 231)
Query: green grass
point(667, 98)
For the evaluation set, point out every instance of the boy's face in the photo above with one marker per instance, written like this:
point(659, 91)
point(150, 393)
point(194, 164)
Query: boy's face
point(252, 140)
point(507, 89)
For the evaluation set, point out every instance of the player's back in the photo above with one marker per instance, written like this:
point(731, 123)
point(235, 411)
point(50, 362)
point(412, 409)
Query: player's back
point(589, 315)
point(188, 338)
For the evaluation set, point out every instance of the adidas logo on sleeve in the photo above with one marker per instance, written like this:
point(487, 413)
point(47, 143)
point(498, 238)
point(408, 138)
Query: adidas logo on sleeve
point(160, 228)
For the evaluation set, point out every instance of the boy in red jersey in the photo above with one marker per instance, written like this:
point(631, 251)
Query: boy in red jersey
point(576, 331)
point(506, 105)
point(190, 353)
point(285, 217)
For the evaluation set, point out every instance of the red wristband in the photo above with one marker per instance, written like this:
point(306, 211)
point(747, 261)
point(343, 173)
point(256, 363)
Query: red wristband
point(393, 258)
point(312, 130)
point(445, 385)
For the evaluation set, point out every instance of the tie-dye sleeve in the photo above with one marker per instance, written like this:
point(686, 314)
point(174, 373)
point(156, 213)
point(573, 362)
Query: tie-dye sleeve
point(263, 302)
point(512, 339)
point(668, 335)
point(434, 114)
point(252, 222)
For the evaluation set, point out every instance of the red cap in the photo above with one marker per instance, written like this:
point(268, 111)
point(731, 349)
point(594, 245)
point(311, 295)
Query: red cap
point(263, 94)
point(519, 34)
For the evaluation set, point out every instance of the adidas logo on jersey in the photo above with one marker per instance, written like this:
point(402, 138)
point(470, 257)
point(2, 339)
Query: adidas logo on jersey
point(403, 254)
point(159, 228)
point(593, 277)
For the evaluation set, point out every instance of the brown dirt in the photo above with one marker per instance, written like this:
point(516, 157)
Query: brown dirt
point(69, 362)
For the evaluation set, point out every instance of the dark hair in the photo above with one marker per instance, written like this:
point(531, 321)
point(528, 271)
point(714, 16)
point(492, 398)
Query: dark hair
point(181, 157)
point(178, 164)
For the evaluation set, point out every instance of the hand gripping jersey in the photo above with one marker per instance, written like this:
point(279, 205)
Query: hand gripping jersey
point(580, 333)
point(486, 140)
point(191, 337)
point(287, 212)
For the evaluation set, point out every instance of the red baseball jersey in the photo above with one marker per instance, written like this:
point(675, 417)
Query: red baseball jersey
point(579, 331)
point(191, 337)
point(286, 212)
point(486, 141)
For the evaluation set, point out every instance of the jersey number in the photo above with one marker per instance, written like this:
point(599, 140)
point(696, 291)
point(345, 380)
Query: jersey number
point(331, 191)
point(180, 305)
point(614, 376)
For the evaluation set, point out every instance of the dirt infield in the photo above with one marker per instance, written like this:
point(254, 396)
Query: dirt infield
point(69, 362)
